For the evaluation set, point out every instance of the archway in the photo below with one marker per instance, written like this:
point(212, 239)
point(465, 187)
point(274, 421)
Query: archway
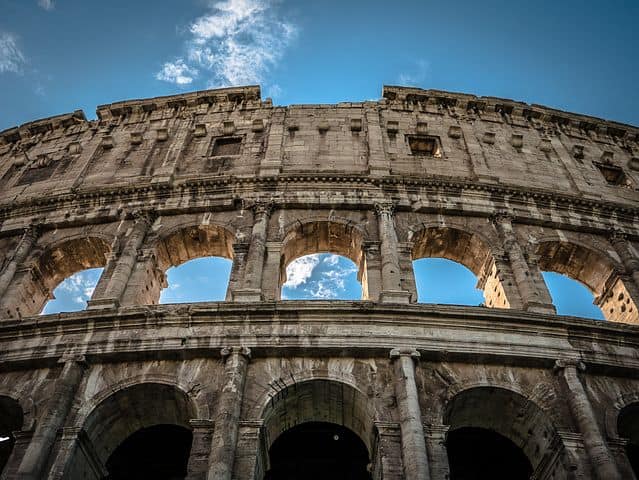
point(628, 428)
point(324, 237)
point(596, 271)
point(486, 420)
point(571, 297)
point(141, 431)
point(73, 293)
point(321, 276)
point(11, 419)
point(56, 264)
point(468, 250)
point(203, 279)
point(317, 451)
point(205, 252)
point(444, 281)
point(329, 415)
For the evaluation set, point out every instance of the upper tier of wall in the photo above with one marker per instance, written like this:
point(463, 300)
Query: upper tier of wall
point(232, 132)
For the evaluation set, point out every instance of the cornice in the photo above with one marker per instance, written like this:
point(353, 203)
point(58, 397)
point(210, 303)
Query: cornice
point(200, 329)
point(226, 185)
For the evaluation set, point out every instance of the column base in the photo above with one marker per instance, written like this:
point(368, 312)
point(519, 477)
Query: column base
point(247, 295)
point(540, 308)
point(395, 296)
point(101, 303)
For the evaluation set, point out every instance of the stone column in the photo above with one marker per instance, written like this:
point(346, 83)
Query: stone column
point(251, 290)
point(410, 417)
point(227, 417)
point(600, 458)
point(533, 291)
point(371, 275)
point(125, 263)
point(236, 278)
point(247, 462)
point(28, 240)
point(52, 418)
point(200, 449)
point(437, 453)
point(387, 458)
point(75, 454)
point(391, 273)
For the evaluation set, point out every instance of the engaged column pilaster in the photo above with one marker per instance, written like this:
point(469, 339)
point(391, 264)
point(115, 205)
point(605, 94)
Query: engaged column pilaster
point(391, 272)
point(410, 417)
point(600, 458)
point(227, 417)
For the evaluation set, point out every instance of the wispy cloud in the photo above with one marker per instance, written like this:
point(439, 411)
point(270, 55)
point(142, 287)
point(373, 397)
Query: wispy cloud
point(176, 72)
point(11, 57)
point(415, 75)
point(300, 270)
point(236, 43)
point(46, 4)
point(80, 286)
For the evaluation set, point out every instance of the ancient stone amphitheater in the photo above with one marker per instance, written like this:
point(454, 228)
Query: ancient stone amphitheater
point(259, 388)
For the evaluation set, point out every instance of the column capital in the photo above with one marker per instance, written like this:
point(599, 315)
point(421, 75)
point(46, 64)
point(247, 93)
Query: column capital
point(563, 363)
point(144, 216)
point(617, 236)
point(226, 352)
point(78, 358)
point(501, 217)
point(201, 423)
point(262, 207)
point(396, 353)
point(384, 208)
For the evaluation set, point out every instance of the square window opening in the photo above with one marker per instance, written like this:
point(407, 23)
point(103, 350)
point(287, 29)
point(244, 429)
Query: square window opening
point(425, 146)
point(226, 146)
point(613, 174)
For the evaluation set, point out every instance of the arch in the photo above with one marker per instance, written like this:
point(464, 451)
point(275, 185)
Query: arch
point(469, 249)
point(315, 400)
point(11, 420)
point(54, 263)
point(186, 242)
point(173, 247)
point(628, 429)
point(596, 270)
point(324, 236)
point(512, 416)
point(119, 415)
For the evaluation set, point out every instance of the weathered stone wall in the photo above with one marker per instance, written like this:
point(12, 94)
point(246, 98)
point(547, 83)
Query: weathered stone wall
point(507, 189)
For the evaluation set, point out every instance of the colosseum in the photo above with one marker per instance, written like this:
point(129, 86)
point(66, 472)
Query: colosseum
point(256, 387)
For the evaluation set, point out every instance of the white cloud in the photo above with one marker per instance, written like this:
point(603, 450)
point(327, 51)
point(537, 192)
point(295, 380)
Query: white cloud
point(176, 72)
point(236, 43)
point(416, 75)
point(331, 259)
point(46, 4)
point(80, 286)
point(300, 270)
point(11, 58)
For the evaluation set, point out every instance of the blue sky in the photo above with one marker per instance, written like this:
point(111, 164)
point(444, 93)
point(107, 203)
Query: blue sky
point(57, 56)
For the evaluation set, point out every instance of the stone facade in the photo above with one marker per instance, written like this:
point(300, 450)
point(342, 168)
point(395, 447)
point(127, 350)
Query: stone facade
point(507, 189)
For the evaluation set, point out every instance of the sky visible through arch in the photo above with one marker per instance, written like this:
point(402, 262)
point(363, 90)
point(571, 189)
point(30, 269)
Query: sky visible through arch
point(57, 56)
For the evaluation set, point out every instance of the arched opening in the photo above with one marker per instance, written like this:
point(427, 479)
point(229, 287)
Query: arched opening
point(197, 261)
point(571, 297)
point(628, 428)
point(457, 256)
point(314, 413)
point(57, 264)
point(317, 451)
point(11, 419)
point(444, 281)
point(515, 435)
point(596, 271)
point(480, 453)
point(73, 293)
point(202, 279)
point(321, 276)
point(305, 245)
point(159, 452)
point(142, 431)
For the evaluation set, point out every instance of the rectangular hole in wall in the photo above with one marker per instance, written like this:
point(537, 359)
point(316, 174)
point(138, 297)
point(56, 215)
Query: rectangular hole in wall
point(613, 174)
point(425, 145)
point(226, 146)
